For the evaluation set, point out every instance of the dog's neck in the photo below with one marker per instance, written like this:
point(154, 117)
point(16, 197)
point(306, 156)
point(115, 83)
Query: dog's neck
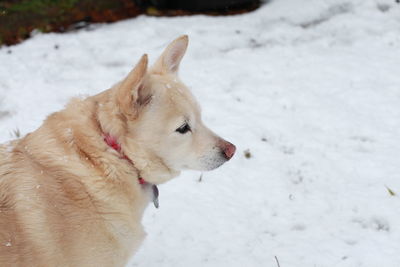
point(112, 142)
point(154, 173)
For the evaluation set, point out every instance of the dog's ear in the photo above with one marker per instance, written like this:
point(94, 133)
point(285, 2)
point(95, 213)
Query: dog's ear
point(131, 93)
point(170, 59)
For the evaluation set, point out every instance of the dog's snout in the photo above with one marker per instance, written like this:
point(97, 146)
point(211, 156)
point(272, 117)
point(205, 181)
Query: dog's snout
point(229, 150)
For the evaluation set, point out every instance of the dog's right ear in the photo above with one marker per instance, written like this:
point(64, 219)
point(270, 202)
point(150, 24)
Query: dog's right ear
point(170, 59)
point(130, 93)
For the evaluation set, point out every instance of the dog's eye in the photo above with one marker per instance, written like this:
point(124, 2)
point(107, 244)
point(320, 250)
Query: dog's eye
point(184, 128)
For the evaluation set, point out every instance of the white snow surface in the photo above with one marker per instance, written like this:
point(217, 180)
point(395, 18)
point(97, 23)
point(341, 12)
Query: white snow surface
point(310, 88)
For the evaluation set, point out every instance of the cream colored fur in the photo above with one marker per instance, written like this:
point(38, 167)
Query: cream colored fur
point(68, 199)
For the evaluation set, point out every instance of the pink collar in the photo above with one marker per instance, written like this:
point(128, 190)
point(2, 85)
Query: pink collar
point(111, 141)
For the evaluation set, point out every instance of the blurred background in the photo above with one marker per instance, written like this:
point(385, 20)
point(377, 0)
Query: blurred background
point(18, 18)
point(308, 91)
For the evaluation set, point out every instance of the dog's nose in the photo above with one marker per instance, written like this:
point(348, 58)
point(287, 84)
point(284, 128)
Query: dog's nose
point(229, 150)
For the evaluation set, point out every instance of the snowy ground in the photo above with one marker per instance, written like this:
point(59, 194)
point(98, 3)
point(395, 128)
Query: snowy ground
point(310, 88)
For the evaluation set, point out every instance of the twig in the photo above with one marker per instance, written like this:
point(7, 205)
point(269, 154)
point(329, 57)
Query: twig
point(16, 133)
point(277, 261)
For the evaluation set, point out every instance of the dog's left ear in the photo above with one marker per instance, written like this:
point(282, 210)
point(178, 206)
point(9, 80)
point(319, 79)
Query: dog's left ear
point(131, 93)
point(170, 59)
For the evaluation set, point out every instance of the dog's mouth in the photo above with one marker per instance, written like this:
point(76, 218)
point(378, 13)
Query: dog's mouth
point(224, 153)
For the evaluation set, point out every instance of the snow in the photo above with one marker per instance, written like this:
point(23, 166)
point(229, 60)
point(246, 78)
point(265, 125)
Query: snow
point(310, 88)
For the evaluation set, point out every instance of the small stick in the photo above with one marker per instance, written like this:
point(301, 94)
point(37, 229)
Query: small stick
point(277, 262)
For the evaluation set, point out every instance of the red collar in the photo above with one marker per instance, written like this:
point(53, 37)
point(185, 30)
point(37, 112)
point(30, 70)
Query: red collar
point(111, 141)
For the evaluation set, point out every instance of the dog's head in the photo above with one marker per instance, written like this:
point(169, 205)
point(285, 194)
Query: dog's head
point(164, 119)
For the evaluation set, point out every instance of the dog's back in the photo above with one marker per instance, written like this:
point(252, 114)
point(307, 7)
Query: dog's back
point(55, 207)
